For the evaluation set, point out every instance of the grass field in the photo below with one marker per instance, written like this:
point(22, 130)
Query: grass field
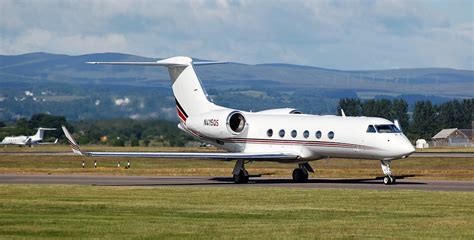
point(58, 211)
point(67, 211)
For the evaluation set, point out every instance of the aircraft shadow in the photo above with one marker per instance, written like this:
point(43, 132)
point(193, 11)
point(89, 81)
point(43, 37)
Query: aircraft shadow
point(223, 181)
point(376, 180)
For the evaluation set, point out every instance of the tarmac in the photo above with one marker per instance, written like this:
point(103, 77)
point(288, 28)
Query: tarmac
point(372, 184)
point(313, 183)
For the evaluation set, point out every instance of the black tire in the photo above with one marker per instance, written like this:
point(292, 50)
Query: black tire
point(300, 175)
point(242, 177)
point(245, 176)
point(387, 180)
point(296, 175)
point(393, 179)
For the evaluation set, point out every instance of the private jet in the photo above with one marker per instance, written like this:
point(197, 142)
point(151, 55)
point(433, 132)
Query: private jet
point(283, 135)
point(36, 139)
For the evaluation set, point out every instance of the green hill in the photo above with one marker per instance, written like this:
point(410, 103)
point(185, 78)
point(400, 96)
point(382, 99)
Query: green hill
point(65, 85)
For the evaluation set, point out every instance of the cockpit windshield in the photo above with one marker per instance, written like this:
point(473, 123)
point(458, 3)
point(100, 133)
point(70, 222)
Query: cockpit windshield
point(387, 128)
point(371, 129)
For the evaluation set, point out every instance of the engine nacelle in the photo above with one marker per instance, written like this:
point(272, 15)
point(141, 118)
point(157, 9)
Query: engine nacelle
point(218, 124)
point(283, 111)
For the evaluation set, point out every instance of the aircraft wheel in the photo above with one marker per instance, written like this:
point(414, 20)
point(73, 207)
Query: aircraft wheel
point(392, 179)
point(300, 175)
point(387, 180)
point(242, 177)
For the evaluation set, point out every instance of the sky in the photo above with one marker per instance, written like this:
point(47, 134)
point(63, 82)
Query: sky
point(349, 34)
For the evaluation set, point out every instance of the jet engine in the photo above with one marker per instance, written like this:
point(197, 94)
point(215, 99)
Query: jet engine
point(218, 124)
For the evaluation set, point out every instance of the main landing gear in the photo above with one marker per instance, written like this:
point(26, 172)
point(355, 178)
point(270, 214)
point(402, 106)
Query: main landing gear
point(388, 179)
point(240, 174)
point(301, 174)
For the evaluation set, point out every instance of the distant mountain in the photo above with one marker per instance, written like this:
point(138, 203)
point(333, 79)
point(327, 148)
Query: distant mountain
point(58, 80)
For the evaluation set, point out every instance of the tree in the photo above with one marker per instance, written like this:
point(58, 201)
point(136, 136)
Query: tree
point(22, 125)
point(351, 106)
point(400, 112)
point(425, 123)
point(468, 108)
point(135, 142)
point(456, 114)
point(118, 142)
point(377, 108)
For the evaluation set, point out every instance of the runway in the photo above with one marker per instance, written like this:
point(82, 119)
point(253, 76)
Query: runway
point(366, 184)
point(443, 154)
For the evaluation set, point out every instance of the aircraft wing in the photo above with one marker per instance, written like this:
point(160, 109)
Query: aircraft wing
point(195, 155)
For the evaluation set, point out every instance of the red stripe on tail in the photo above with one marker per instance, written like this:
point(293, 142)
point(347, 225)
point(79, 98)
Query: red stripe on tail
point(181, 115)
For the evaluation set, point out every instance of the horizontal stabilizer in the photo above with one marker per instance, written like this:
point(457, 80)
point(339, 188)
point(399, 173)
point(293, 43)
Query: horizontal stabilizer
point(138, 63)
point(167, 62)
point(47, 129)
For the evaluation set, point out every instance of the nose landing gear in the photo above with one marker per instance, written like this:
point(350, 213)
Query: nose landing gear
point(388, 179)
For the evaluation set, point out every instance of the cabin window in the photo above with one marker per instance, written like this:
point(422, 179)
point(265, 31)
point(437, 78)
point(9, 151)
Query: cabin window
point(306, 134)
point(282, 133)
point(294, 133)
point(270, 132)
point(318, 134)
point(371, 129)
point(331, 135)
point(387, 128)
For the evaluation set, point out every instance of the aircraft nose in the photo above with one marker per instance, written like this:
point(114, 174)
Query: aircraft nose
point(407, 148)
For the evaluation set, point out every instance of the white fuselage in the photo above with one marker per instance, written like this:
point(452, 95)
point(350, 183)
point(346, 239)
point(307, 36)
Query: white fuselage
point(18, 140)
point(350, 138)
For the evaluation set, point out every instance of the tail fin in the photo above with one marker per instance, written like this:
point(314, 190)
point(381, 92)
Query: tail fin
point(191, 98)
point(40, 133)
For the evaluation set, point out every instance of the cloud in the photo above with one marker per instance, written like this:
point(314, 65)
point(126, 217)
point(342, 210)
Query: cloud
point(334, 34)
point(47, 41)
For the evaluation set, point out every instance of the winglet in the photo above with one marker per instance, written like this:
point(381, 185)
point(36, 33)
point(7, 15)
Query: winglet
point(343, 113)
point(72, 143)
